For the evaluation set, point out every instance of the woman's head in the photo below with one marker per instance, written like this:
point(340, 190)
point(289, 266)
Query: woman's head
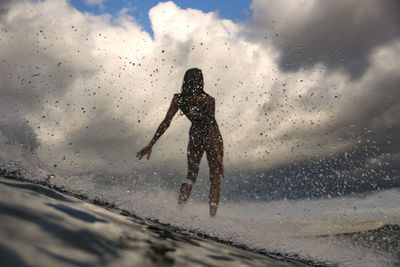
point(193, 82)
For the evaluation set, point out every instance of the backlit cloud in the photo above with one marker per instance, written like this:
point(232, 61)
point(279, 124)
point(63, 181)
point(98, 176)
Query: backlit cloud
point(295, 82)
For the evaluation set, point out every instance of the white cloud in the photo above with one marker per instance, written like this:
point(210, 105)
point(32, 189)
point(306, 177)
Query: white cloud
point(103, 85)
point(339, 34)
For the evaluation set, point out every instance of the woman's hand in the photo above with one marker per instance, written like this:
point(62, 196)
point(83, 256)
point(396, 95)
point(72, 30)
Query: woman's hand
point(145, 151)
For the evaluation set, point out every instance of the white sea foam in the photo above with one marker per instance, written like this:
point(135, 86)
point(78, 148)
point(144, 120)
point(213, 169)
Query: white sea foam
point(274, 226)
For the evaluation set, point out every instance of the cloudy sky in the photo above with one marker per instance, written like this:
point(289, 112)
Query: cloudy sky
point(86, 83)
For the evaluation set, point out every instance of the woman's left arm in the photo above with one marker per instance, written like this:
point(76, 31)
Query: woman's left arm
point(173, 108)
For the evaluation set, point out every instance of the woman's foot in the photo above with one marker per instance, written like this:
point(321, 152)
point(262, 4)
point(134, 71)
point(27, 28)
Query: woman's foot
point(184, 193)
point(213, 209)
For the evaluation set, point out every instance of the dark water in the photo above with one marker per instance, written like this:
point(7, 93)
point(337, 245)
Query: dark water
point(43, 227)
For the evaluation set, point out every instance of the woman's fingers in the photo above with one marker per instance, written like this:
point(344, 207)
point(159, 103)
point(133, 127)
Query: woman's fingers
point(140, 154)
point(143, 152)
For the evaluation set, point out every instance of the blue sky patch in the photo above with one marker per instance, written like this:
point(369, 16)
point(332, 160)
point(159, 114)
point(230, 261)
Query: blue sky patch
point(236, 10)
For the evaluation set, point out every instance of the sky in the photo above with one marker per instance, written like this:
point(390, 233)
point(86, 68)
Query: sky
point(306, 102)
point(236, 10)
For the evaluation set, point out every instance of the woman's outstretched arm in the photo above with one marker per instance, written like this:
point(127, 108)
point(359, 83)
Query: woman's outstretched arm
point(173, 108)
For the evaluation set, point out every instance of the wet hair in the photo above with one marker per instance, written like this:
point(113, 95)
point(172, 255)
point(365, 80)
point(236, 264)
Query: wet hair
point(193, 82)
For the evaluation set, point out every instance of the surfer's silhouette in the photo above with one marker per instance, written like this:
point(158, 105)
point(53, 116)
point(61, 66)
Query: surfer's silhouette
point(204, 135)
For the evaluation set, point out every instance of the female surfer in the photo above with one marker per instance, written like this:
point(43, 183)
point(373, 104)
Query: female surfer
point(204, 135)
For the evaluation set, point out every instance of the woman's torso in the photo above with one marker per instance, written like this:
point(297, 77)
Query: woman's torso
point(200, 110)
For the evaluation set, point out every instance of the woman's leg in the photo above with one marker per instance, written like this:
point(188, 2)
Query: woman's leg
point(194, 155)
point(215, 163)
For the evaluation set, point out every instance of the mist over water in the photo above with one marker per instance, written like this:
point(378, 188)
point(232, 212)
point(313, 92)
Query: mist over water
point(310, 127)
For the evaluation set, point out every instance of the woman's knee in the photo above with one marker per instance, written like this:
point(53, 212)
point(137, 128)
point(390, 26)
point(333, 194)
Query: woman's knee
point(215, 179)
point(216, 168)
point(192, 172)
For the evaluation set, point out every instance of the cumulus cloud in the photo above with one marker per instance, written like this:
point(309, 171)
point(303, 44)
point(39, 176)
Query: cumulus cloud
point(339, 34)
point(94, 88)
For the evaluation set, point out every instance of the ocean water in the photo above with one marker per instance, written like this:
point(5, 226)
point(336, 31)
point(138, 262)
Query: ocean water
point(300, 231)
point(42, 227)
point(276, 226)
point(353, 230)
